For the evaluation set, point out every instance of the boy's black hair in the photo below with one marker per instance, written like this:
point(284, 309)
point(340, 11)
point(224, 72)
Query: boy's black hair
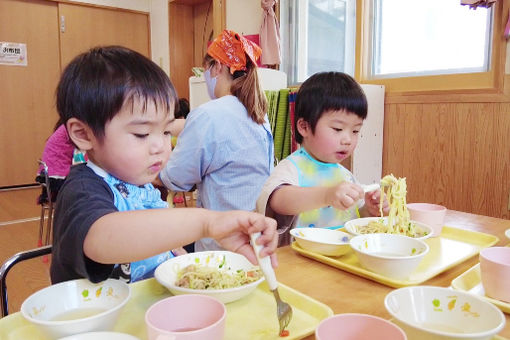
point(96, 84)
point(182, 108)
point(326, 91)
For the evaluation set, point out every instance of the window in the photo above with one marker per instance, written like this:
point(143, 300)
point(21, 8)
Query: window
point(417, 38)
point(317, 35)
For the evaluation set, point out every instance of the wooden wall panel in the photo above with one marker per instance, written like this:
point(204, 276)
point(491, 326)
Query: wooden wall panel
point(203, 30)
point(27, 109)
point(87, 26)
point(181, 46)
point(455, 154)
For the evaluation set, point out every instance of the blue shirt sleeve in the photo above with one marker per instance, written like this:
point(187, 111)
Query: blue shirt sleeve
point(190, 158)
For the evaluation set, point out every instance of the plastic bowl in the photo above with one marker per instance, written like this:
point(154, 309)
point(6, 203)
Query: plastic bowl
point(495, 272)
point(186, 317)
point(352, 326)
point(429, 214)
point(322, 241)
point(353, 226)
point(437, 313)
point(390, 255)
point(100, 336)
point(76, 306)
point(166, 273)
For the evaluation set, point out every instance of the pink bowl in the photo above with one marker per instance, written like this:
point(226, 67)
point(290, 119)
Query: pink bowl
point(430, 214)
point(352, 326)
point(495, 272)
point(186, 317)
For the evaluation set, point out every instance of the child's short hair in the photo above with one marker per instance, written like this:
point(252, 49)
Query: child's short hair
point(96, 84)
point(181, 108)
point(326, 91)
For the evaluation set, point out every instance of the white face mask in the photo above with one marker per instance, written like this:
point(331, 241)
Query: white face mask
point(210, 82)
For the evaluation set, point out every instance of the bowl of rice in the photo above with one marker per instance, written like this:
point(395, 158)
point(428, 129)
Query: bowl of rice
point(224, 275)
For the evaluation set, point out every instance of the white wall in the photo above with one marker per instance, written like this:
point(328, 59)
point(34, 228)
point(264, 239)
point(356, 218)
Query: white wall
point(243, 16)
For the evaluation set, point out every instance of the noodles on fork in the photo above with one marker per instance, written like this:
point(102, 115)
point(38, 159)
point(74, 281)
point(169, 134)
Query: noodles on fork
point(398, 220)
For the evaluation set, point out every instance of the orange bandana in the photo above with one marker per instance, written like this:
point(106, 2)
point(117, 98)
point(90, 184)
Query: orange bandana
point(231, 49)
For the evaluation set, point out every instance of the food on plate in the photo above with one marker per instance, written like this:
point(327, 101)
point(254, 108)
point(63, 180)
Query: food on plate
point(198, 276)
point(284, 333)
point(398, 221)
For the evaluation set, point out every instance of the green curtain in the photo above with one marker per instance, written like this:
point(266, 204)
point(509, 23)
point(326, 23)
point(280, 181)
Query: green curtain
point(278, 115)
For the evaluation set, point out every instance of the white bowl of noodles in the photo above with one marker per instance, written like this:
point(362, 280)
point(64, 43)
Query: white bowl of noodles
point(224, 275)
point(373, 225)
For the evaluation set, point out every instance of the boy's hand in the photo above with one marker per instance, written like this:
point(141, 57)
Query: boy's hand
point(343, 195)
point(179, 251)
point(232, 230)
point(372, 201)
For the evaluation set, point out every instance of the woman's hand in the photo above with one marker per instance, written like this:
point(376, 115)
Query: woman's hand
point(232, 230)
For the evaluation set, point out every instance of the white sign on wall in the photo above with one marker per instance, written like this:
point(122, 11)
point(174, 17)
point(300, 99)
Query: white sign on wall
point(13, 54)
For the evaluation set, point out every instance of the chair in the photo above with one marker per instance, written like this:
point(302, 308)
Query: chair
point(4, 270)
point(46, 202)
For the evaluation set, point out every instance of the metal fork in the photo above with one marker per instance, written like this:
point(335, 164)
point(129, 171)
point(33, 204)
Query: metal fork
point(283, 309)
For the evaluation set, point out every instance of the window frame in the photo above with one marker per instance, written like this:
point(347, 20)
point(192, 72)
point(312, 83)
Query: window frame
point(490, 82)
point(301, 57)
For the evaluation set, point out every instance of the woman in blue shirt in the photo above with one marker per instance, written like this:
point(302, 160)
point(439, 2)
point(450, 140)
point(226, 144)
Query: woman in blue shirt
point(226, 146)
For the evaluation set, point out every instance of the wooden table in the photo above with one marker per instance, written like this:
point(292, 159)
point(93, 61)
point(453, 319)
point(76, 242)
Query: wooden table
point(342, 291)
point(348, 293)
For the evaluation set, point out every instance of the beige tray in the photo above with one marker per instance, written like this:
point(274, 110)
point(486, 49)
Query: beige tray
point(452, 247)
point(252, 317)
point(496, 337)
point(470, 281)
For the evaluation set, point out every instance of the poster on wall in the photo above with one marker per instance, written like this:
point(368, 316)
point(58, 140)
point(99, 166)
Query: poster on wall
point(14, 54)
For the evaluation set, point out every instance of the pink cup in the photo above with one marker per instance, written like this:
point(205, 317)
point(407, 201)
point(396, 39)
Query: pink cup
point(430, 214)
point(495, 272)
point(352, 326)
point(186, 317)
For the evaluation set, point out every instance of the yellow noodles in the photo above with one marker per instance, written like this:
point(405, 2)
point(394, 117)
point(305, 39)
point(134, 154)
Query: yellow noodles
point(398, 221)
point(197, 276)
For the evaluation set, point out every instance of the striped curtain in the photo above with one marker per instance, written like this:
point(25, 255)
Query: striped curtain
point(281, 122)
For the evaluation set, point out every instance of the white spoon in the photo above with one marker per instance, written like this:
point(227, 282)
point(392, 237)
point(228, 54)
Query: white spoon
point(370, 187)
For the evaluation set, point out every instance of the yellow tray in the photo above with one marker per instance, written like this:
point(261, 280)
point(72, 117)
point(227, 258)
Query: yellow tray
point(252, 317)
point(495, 337)
point(470, 281)
point(452, 247)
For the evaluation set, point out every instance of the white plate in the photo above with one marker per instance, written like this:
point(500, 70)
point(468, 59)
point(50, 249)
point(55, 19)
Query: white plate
point(507, 233)
point(322, 241)
point(100, 336)
point(350, 226)
point(166, 273)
